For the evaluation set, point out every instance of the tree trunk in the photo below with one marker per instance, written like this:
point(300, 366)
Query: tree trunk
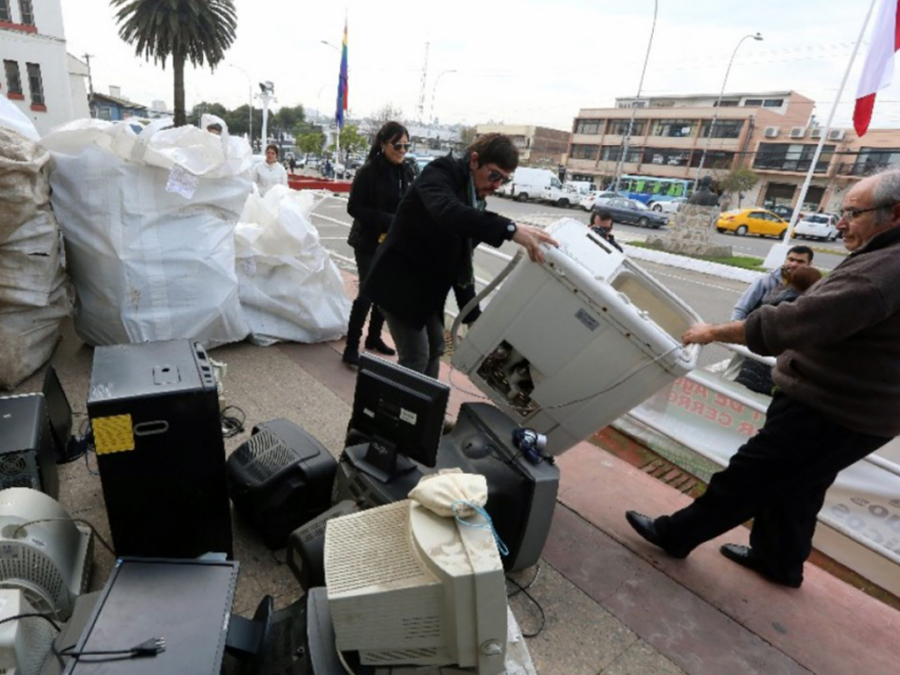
point(178, 66)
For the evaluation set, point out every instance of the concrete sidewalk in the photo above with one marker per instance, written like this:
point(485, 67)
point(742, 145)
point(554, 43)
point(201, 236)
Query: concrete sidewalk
point(611, 603)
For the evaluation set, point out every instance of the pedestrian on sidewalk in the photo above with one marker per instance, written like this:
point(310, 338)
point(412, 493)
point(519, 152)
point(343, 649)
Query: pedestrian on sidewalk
point(374, 197)
point(837, 400)
point(429, 246)
point(602, 224)
point(270, 173)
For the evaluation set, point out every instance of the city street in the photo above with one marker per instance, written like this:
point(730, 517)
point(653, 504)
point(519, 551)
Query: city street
point(711, 297)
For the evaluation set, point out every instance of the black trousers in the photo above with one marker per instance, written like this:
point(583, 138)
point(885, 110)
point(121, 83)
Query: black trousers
point(779, 479)
point(361, 305)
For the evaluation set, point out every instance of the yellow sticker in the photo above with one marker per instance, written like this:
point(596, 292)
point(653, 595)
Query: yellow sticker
point(113, 434)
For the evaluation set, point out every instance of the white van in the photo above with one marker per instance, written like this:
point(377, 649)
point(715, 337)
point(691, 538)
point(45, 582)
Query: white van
point(530, 183)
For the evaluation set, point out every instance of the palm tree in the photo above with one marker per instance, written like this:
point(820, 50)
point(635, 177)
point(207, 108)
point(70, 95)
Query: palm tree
point(199, 30)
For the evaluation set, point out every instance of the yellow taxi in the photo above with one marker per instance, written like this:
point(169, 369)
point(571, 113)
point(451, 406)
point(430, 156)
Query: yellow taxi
point(752, 221)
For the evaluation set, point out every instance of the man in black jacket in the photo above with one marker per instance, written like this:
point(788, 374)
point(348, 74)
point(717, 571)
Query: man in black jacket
point(429, 245)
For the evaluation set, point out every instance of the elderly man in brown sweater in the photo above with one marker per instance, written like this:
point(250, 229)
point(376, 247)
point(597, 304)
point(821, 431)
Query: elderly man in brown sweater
point(837, 399)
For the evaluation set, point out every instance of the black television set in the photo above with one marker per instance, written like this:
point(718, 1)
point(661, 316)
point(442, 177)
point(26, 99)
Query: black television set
point(398, 415)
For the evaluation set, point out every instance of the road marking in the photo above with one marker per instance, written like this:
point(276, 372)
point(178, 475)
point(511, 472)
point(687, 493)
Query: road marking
point(699, 283)
point(331, 220)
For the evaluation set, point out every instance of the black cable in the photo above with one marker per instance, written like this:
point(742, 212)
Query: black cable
point(150, 647)
point(29, 615)
point(232, 425)
point(524, 589)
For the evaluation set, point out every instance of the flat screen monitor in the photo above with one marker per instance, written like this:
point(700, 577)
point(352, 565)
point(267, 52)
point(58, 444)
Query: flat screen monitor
point(60, 413)
point(400, 414)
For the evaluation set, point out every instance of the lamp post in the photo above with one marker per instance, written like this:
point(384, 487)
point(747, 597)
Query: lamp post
point(337, 128)
point(250, 105)
point(712, 125)
point(624, 151)
point(434, 90)
point(267, 91)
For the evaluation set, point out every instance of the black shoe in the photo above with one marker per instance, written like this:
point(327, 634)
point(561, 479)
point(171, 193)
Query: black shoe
point(646, 527)
point(351, 357)
point(378, 345)
point(743, 556)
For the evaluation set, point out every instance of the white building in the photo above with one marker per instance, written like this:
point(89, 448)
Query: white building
point(38, 75)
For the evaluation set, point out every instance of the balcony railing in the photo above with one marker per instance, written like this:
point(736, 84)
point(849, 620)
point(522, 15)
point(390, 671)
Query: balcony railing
point(861, 168)
point(781, 164)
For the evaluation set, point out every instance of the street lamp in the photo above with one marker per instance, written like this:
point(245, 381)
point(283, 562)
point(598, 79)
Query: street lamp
point(267, 94)
point(433, 90)
point(712, 125)
point(250, 95)
point(624, 151)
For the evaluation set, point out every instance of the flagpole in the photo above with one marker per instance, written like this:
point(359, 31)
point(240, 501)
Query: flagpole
point(824, 136)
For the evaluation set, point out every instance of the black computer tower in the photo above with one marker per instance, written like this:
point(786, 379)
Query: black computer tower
point(27, 454)
point(154, 413)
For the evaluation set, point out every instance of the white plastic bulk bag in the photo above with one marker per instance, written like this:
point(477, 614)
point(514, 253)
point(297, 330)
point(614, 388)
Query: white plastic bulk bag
point(149, 227)
point(290, 288)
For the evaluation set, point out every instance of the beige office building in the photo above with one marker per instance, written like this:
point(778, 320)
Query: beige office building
point(774, 133)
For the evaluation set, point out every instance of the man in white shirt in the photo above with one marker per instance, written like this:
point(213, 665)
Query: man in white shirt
point(269, 173)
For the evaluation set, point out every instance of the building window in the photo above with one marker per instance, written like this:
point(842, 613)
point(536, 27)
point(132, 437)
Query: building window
point(13, 80)
point(27, 12)
point(673, 128)
point(583, 152)
point(620, 128)
point(666, 156)
point(726, 104)
point(588, 126)
point(611, 153)
point(870, 160)
point(773, 103)
point(5, 14)
point(791, 157)
point(104, 113)
point(34, 84)
point(753, 103)
point(715, 159)
point(724, 129)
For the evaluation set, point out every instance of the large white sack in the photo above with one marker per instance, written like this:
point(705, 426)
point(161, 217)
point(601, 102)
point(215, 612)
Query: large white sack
point(149, 227)
point(24, 188)
point(31, 261)
point(28, 335)
point(290, 288)
point(15, 120)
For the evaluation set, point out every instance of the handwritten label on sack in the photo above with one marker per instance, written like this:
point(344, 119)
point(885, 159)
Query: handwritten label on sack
point(182, 182)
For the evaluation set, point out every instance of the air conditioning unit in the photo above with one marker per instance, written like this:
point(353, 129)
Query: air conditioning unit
point(798, 132)
point(836, 135)
point(815, 132)
point(771, 132)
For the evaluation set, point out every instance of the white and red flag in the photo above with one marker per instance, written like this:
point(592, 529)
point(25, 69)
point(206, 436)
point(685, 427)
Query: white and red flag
point(879, 66)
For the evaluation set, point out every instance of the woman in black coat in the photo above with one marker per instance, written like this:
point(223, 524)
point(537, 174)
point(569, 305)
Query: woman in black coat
point(377, 190)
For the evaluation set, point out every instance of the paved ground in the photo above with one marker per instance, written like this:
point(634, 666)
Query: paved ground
point(611, 603)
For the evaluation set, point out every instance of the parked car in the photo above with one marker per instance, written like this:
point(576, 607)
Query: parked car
point(631, 212)
point(669, 206)
point(588, 202)
point(752, 221)
point(818, 226)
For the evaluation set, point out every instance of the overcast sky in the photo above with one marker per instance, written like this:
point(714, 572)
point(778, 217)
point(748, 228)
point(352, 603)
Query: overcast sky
point(515, 61)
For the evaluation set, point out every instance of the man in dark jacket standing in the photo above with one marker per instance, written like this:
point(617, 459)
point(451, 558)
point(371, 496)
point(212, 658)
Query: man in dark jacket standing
point(838, 398)
point(430, 241)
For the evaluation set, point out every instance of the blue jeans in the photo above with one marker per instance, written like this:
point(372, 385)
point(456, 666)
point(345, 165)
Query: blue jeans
point(419, 349)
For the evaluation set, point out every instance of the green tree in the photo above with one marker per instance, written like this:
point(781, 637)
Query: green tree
point(738, 180)
point(198, 31)
point(311, 142)
point(351, 140)
point(203, 107)
point(239, 119)
point(289, 117)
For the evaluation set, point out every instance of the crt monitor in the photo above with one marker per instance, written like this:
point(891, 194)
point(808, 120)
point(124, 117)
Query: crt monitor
point(399, 413)
point(407, 587)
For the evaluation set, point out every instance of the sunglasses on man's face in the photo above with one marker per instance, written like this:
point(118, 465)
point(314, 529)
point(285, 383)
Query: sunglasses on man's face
point(401, 146)
point(495, 176)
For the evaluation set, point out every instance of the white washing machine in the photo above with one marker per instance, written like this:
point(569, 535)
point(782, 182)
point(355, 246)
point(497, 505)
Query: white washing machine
point(567, 346)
